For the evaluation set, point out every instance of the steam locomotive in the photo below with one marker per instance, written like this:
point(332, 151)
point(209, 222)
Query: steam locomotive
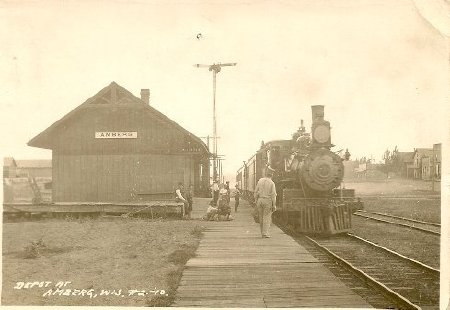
point(307, 177)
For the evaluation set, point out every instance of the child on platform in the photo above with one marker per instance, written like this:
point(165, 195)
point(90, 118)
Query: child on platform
point(211, 213)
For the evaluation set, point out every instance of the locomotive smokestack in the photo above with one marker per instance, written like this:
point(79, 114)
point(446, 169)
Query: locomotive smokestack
point(317, 112)
point(320, 128)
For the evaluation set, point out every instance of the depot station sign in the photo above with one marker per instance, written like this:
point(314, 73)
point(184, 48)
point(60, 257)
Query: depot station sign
point(116, 135)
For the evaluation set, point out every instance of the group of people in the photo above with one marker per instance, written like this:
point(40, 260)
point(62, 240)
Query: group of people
point(219, 208)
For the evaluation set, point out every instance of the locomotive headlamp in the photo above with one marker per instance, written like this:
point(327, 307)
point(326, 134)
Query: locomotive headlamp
point(321, 134)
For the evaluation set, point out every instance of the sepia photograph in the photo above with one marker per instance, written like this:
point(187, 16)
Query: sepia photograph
point(225, 154)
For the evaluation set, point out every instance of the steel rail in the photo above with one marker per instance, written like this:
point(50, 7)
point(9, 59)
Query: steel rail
point(392, 294)
point(431, 197)
point(411, 260)
point(398, 224)
point(402, 218)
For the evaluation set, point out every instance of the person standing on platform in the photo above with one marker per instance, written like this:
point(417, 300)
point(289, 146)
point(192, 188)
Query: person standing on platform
point(215, 192)
point(181, 196)
point(227, 187)
point(237, 195)
point(190, 200)
point(265, 197)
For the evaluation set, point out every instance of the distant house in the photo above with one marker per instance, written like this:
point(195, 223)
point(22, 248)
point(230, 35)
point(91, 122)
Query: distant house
point(437, 161)
point(18, 168)
point(406, 161)
point(427, 168)
point(419, 155)
point(34, 168)
point(9, 167)
point(19, 177)
point(116, 147)
point(369, 171)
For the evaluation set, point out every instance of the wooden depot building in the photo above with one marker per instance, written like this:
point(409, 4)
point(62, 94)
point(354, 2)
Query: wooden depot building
point(115, 148)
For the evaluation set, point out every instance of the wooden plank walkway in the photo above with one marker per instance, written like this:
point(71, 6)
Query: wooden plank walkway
point(137, 207)
point(235, 267)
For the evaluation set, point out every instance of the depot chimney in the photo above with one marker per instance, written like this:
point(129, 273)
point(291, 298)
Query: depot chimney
point(145, 95)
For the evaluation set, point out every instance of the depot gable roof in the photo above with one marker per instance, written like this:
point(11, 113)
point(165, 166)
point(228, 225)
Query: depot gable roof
point(110, 96)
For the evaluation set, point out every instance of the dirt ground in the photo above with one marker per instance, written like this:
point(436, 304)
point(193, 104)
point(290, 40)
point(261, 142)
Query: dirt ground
point(424, 209)
point(392, 187)
point(416, 201)
point(109, 262)
point(412, 243)
point(138, 262)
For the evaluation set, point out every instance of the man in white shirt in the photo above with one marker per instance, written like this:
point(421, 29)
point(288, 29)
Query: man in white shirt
point(215, 191)
point(265, 197)
point(237, 194)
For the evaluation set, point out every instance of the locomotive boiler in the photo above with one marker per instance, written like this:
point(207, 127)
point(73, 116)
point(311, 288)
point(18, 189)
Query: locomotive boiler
point(307, 176)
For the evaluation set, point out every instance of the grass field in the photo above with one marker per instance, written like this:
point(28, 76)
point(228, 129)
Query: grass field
point(412, 243)
point(138, 262)
point(392, 187)
point(416, 201)
point(423, 209)
point(109, 262)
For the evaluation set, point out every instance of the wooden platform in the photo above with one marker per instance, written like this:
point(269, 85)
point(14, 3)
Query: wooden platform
point(235, 267)
point(138, 207)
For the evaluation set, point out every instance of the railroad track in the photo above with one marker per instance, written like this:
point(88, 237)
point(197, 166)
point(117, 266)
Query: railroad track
point(409, 283)
point(427, 227)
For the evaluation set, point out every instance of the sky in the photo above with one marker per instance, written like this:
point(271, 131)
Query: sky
point(380, 69)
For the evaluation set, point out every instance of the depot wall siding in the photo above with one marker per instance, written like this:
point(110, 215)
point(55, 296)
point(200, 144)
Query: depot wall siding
point(111, 178)
point(153, 135)
point(91, 169)
point(114, 147)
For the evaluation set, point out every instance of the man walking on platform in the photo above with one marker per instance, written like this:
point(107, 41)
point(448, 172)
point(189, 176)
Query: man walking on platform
point(265, 197)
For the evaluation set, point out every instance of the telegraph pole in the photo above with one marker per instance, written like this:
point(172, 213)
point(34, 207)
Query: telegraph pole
point(215, 68)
